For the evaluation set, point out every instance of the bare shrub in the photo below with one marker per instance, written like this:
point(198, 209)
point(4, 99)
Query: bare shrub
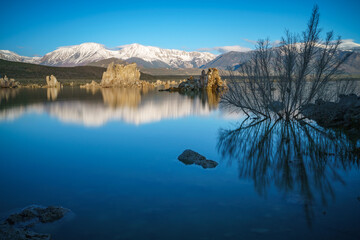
point(277, 81)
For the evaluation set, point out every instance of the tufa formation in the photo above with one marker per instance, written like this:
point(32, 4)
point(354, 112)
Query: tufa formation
point(52, 82)
point(5, 82)
point(119, 75)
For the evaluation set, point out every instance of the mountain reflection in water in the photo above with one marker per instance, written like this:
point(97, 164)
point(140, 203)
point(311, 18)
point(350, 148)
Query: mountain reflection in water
point(298, 158)
point(96, 107)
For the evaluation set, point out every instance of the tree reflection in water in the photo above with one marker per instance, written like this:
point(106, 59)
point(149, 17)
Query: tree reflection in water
point(296, 156)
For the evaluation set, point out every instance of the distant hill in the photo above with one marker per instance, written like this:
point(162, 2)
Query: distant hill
point(235, 59)
point(229, 59)
point(27, 72)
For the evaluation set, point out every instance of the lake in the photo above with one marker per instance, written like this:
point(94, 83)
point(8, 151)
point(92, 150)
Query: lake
point(110, 156)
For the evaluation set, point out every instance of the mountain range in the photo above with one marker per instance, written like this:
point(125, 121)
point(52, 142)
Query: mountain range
point(148, 57)
point(235, 59)
point(86, 53)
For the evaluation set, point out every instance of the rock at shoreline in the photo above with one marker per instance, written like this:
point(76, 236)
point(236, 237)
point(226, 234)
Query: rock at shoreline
point(190, 157)
point(93, 84)
point(17, 225)
point(118, 75)
point(5, 82)
point(52, 82)
point(343, 114)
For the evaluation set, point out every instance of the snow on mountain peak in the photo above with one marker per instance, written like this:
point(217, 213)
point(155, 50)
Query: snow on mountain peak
point(85, 53)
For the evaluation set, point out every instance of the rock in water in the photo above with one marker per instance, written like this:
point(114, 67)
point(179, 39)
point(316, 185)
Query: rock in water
point(17, 225)
point(52, 82)
point(92, 85)
point(34, 213)
point(119, 75)
point(209, 81)
point(190, 157)
point(213, 79)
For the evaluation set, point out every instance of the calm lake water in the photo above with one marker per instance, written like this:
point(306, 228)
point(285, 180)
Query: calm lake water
point(111, 157)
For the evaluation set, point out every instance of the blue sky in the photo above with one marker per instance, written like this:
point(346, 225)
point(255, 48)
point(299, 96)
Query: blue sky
point(37, 27)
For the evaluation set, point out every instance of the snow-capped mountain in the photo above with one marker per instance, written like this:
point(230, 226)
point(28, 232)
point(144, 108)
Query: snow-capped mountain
point(172, 57)
point(86, 53)
point(11, 56)
point(349, 44)
point(77, 55)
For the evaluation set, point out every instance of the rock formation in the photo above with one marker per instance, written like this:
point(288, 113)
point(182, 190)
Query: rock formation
point(18, 225)
point(213, 79)
point(5, 82)
point(91, 85)
point(210, 81)
point(52, 82)
point(203, 78)
point(119, 75)
point(190, 157)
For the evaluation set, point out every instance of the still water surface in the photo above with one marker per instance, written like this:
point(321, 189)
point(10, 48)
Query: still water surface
point(111, 157)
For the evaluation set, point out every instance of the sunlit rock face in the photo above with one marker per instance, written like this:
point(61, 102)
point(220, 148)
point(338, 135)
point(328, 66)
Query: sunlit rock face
point(214, 79)
point(52, 82)
point(210, 81)
point(118, 75)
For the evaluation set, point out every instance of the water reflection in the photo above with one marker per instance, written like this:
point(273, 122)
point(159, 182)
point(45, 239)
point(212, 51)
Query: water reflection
point(52, 93)
point(7, 93)
point(299, 158)
point(121, 97)
point(96, 107)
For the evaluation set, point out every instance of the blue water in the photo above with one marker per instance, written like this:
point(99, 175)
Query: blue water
point(114, 164)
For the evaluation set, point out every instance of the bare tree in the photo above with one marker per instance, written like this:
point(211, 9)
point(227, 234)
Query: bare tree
point(277, 81)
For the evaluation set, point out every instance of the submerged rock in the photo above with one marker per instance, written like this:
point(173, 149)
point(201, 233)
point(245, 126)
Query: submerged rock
point(17, 225)
point(8, 232)
point(190, 157)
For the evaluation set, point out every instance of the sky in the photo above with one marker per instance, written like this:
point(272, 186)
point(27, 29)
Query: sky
point(34, 28)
